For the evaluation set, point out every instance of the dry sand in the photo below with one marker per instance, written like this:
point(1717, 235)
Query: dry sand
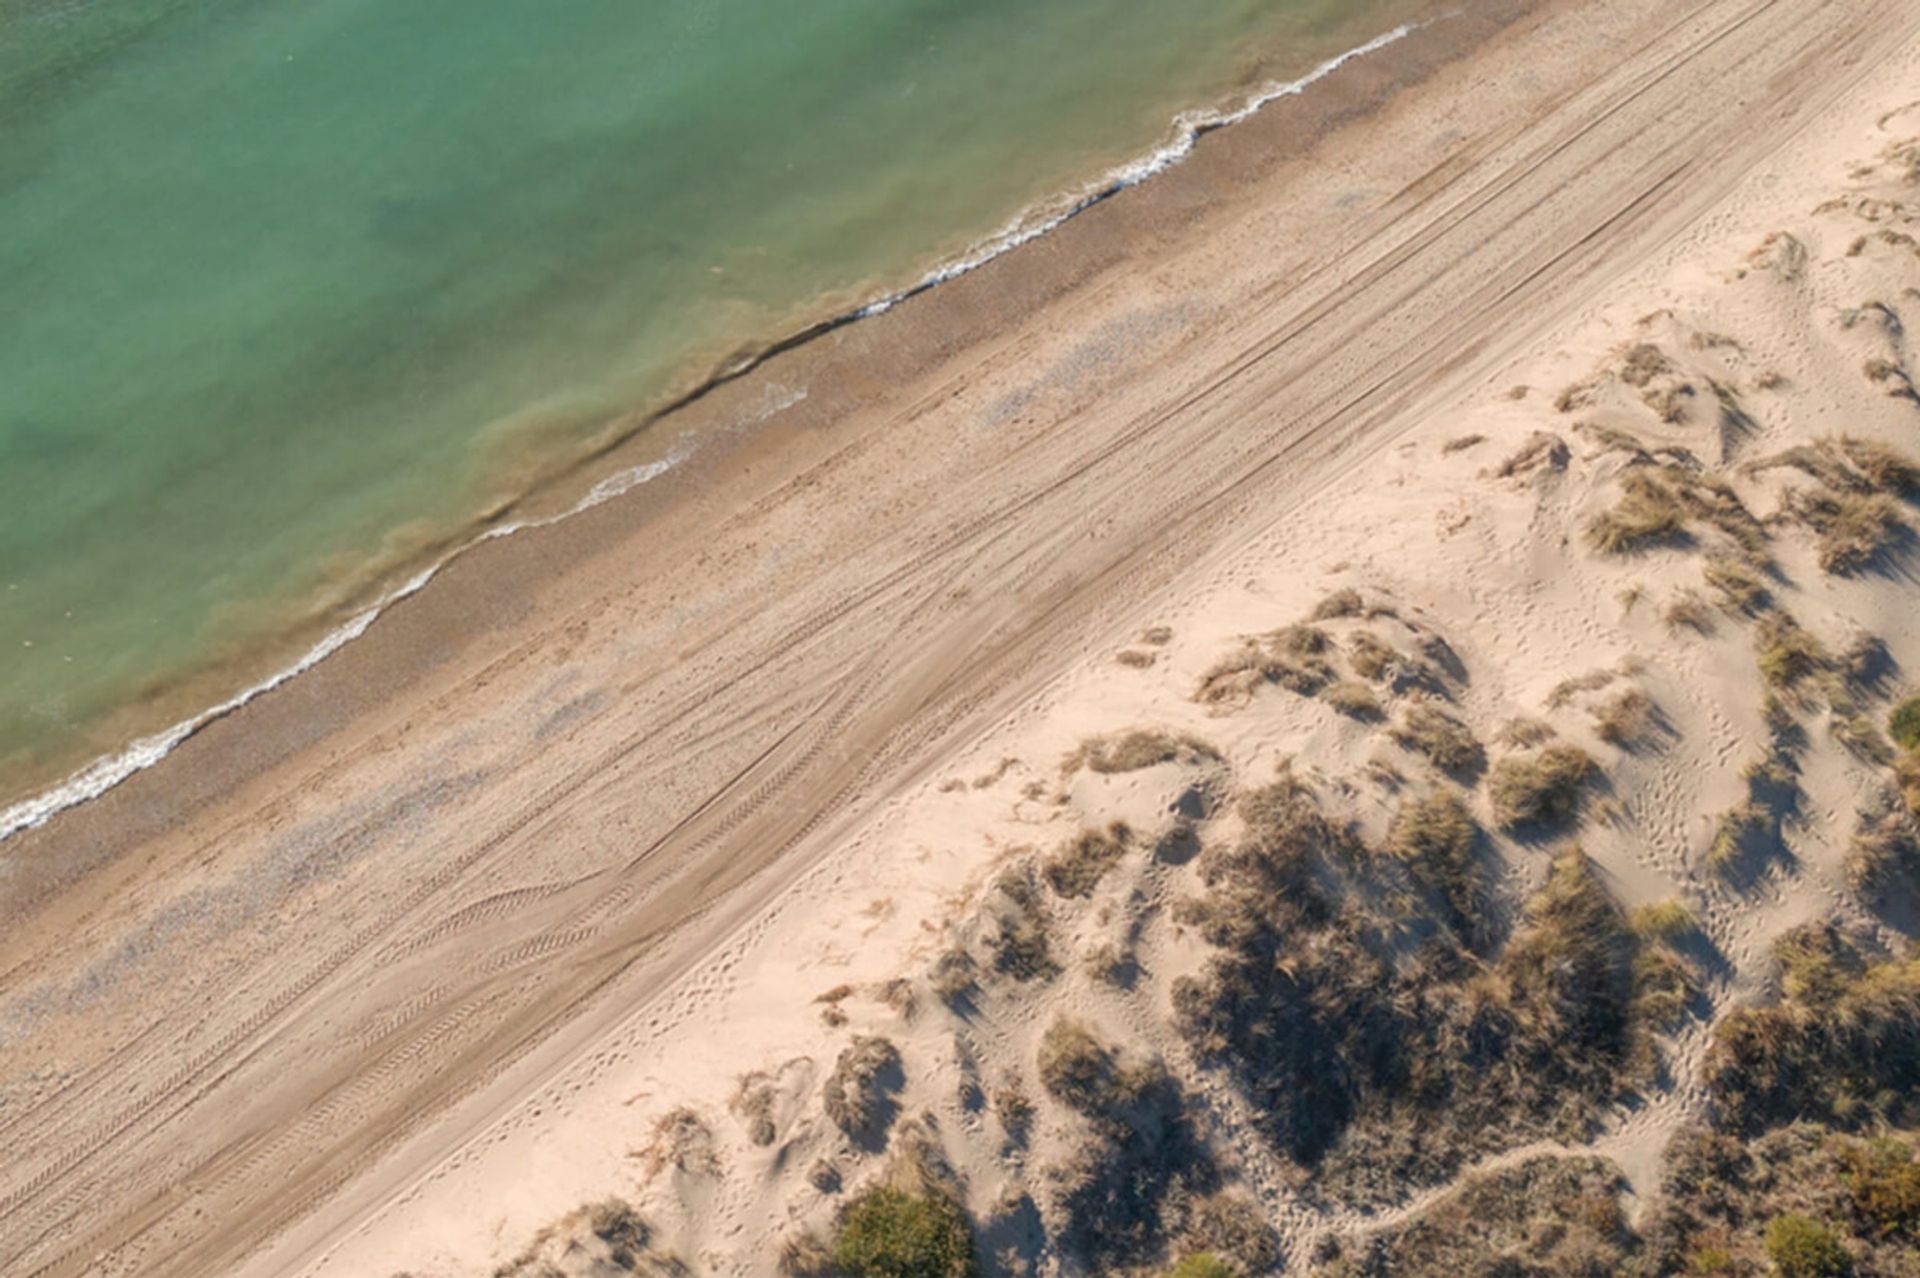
point(409, 959)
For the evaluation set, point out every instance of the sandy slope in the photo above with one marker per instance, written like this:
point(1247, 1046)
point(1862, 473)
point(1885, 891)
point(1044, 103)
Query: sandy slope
point(404, 986)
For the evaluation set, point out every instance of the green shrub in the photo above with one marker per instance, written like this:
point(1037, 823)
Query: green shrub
point(1905, 724)
point(1203, 1264)
point(1804, 1248)
point(888, 1233)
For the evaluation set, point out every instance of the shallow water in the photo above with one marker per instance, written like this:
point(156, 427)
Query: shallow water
point(296, 288)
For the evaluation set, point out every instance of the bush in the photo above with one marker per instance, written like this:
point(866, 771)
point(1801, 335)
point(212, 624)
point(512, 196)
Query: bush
point(888, 1233)
point(1203, 1264)
point(1904, 725)
point(1803, 1248)
point(1544, 789)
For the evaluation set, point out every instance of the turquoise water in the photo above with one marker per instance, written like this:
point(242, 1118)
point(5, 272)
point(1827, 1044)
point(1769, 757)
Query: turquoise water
point(293, 289)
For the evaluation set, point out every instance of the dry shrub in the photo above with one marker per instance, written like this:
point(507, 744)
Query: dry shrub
point(858, 1093)
point(1112, 1193)
point(1435, 835)
point(1628, 719)
point(1541, 789)
point(1549, 1216)
point(1140, 748)
point(1077, 868)
point(1022, 947)
point(1370, 656)
point(1448, 743)
point(1724, 1194)
point(1852, 530)
point(1885, 852)
point(1664, 920)
point(1648, 512)
point(1886, 468)
point(1353, 699)
point(1541, 451)
point(1341, 603)
point(1377, 1069)
point(1788, 654)
point(1688, 611)
point(1842, 1045)
point(1741, 589)
point(1565, 691)
point(1295, 657)
point(953, 974)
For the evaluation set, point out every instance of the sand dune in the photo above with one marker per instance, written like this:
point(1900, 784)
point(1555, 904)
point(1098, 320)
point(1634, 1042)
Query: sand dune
point(417, 955)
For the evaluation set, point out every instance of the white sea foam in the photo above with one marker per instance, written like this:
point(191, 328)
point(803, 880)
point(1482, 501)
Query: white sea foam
point(103, 774)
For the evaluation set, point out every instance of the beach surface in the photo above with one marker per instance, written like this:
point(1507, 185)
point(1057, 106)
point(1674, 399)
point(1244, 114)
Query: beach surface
point(399, 961)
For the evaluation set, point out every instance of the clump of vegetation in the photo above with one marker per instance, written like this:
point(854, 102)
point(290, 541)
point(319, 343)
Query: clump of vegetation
point(1077, 868)
point(1448, 743)
point(1202, 1264)
point(1842, 1044)
point(1295, 657)
point(858, 1094)
point(1353, 699)
point(1132, 751)
point(890, 1233)
point(1542, 789)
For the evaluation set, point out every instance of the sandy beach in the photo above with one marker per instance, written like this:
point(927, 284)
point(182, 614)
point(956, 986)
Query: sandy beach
point(407, 959)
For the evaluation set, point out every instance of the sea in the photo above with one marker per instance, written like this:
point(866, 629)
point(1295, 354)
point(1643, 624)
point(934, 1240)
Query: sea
point(298, 296)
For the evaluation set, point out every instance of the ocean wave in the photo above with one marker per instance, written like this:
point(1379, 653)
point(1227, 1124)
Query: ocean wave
point(1188, 128)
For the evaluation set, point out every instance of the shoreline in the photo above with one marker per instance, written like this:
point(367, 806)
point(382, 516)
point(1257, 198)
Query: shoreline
point(103, 773)
point(416, 916)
